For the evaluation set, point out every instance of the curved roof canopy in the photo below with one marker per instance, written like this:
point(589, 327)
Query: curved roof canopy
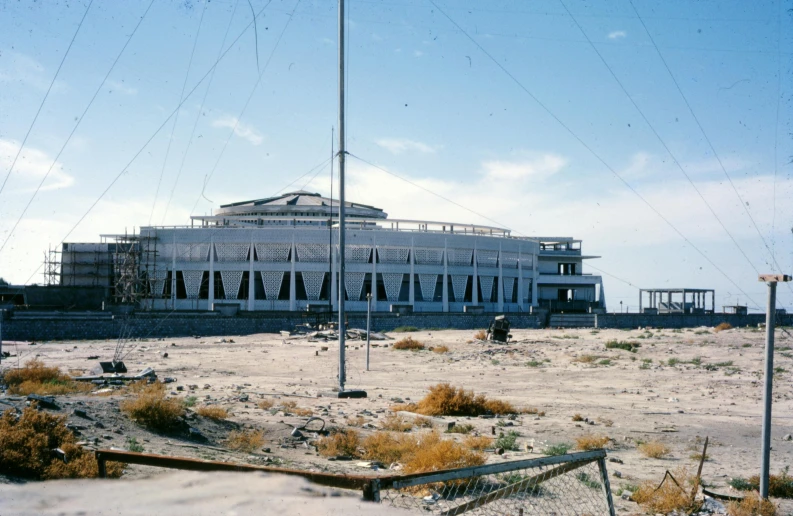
point(300, 203)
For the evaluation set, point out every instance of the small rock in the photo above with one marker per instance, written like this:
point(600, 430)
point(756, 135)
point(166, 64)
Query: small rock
point(244, 398)
point(99, 424)
point(80, 413)
point(179, 388)
point(617, 474)
point(615, 460)
point(787, 437)
point(164, 355)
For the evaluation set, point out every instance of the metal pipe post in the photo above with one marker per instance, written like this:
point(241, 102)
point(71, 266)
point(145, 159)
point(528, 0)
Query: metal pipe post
point(770, 320)
point(368, 325)
point(342, 156)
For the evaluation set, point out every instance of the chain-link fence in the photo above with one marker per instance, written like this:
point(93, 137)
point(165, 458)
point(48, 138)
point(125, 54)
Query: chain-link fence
point(574, 484)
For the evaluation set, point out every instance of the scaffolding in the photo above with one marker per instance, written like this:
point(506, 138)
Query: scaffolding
point(134, 260)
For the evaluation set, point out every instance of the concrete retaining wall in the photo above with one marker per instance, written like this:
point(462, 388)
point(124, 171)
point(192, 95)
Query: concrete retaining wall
point(154, 325)
point(684, 320)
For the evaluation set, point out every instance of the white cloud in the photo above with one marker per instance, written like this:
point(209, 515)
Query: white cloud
point(418, 53)
point(243, 130)
point(400, 145)
point(617, 34)
point(16, 67)
point(31, 167)
point(120, 87)
point(541, 167)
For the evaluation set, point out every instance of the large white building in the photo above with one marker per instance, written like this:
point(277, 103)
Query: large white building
point(281, 253)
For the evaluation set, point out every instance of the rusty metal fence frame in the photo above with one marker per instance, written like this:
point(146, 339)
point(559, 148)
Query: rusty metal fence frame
point(381, 489)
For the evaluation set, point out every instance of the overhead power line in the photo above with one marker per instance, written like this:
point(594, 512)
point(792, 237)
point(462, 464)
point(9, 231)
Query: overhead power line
point(74, 129)
point(47, 94)
point(586, 146)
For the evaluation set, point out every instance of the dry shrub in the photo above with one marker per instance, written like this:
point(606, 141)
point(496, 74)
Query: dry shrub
point(722, 326)
point(216, 413)
point(587, 359)
point(355, 421)
point(245, 440)
point(287, 406)
point(341, 443)
point(419, 453)
point(396, 423)
point(478, 442)
point(152, 409)
point(780, 485)
point(440, 349)
point(302, 412)
point(654, 450)
point(532, 410)
point(26, 442)
point(480, 335)
point(605, 422)
point(265, 404)
point(423, 422)
point(409, 343)
point(752, 505)
point(591, 442)
point(445, 400)
point(669, 497)
point(578, 417)
point(36, 378)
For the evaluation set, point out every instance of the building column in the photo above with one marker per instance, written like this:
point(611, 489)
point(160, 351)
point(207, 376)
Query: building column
point(534, 277)
point(445, 286)
point(211, 296)
point(475, 286)
point(292, 281)
point(374, 274)
point(251, 284)
point(411, 289)
point(173, 273)
point(500, 290)
point(520, 279)
point(334, 286)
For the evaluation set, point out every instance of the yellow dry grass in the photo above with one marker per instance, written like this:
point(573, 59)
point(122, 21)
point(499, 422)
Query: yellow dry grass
point(591, 442)
point(480, 335)
point(578, 417)
point(752, 505)
point(245, 440)
point(265, 404)
point(150, 408)
point(587, 359)
point(445, 400)
point(342, 443)
point(722, 326)
point(213, 412)
point(36, 378)
point(423, 422)
point(409, 343)
point(478, 442)
point(654, 450)
point(27, 441)
point(396, 423)
point(420, 452)
point(440, 349)
point(355, 421)
point(669, 497)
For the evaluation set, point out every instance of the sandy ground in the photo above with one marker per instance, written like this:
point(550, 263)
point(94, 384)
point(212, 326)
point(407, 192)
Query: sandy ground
point(714, 389)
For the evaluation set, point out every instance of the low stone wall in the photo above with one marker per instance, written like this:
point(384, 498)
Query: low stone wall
point(624, 321)
point(175, 324)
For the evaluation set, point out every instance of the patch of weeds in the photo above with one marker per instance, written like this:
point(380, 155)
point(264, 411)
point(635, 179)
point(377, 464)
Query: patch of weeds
point(587, 480)
point(495, 362)
point(751, 505)
point(533, 363)
point(480, 335)
point(746, 345)
point(404, 329)
point(340, 443)
point(633, 347)
point(213, 412)
point(587, 359)
point(355, 421)
point(591, 442)
point(654, 450)
point(673, 361)
point(646, 363)
point(396, 423)
point(446, 400)
point(605, 362)
point(728, 363)
point(266, 404)
point(578, 417)
point(460, 429)
point(134, 446)
point(190, 401)
point(418, 453)
point(36, 378)
point(702, 332)
point(27, 441)
point(408, 343)
point(779, 370)
point(245, 440)
point(780, 486)
point(152, 409)
point(698, 456)
point(440, 349)
point(697, 361)
point(668, 497)
point(557, 449)
point(478, 442)
point(508, 441)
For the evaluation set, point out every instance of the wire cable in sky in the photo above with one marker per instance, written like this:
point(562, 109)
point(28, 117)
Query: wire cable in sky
point(153, 135)
point(704, 134)
point(244, 108)
point(176, 118)
point(587, 147)
point(47, 94)
point(658, 136)
point(203, 102)
point(74, 129)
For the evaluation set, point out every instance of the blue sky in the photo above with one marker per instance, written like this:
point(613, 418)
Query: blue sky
point(431, 106)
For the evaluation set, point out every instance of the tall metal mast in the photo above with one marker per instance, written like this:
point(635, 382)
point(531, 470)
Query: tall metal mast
point(342, 156)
